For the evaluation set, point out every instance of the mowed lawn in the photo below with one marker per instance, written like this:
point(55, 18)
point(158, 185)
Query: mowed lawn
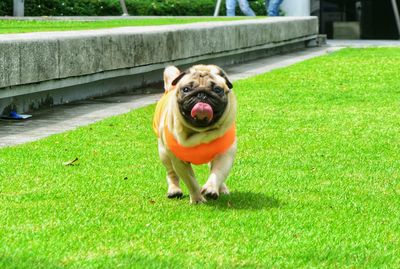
point(316, 182)
point(26, 26)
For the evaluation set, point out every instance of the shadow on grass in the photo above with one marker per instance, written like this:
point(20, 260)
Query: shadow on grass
point(126, 260)
point(25, 262)
point(245, 200)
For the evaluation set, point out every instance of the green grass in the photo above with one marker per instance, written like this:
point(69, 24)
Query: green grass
point(24, 26)
point(316, 182)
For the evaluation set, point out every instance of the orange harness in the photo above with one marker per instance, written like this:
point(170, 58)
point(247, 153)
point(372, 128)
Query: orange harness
point(200, 154)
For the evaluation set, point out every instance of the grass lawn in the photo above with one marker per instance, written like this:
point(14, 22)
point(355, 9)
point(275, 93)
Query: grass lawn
point(316, 182)
point(24, 26)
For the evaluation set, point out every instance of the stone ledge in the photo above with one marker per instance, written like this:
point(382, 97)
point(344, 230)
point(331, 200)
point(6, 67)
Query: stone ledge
point(37, 62)
point(36, 57)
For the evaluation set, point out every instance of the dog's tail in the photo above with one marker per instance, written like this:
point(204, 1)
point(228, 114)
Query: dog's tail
point(170, 74)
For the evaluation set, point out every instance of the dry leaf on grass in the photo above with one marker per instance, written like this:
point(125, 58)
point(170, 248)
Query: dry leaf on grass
point(71, 162)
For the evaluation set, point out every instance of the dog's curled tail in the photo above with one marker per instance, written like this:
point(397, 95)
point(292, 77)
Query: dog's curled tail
point(170, 73)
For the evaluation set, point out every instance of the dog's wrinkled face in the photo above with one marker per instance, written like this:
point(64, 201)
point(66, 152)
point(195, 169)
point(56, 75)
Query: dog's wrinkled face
point(202, 95)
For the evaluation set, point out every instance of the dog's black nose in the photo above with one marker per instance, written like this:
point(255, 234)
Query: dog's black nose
point(202, 95)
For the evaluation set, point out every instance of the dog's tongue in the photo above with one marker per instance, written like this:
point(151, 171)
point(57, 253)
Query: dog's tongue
point(201, 111)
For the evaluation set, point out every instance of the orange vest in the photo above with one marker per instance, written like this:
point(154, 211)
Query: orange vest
point(200, 154)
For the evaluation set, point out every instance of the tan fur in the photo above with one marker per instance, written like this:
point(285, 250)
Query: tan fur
point(188, 135)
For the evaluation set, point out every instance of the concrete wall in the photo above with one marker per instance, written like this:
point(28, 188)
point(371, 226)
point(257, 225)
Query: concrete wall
point(41, 62)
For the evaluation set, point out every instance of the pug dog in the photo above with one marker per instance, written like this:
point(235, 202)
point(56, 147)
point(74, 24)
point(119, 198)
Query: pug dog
point(195, 124)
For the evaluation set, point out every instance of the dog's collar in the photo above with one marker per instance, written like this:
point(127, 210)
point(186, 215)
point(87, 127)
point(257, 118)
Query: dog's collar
point(202, 153)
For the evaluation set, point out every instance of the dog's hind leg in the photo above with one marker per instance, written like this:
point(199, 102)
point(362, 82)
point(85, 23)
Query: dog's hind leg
point(223, 189)
point(220, 168)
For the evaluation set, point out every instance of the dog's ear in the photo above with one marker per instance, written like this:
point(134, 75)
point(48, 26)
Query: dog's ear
point(223, 74)
point(170, 74)
point(178, 78)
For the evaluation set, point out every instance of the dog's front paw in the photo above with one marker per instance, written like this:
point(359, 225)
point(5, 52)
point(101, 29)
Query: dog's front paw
point(197, 199)
point(210, 192)
point(172, 195)
point(174, 192)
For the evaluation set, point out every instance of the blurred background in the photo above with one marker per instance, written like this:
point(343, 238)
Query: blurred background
point(338, 19)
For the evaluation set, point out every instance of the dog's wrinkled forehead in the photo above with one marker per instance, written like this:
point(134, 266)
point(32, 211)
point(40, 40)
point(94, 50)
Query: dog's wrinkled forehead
point(204, 70)
point(204, 76)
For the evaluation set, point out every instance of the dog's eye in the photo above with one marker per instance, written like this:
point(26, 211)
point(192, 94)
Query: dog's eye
point(186, 89)
point(218, 90)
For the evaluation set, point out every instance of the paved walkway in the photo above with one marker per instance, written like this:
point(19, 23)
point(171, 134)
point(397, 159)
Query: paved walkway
point(67, 117)
point(364, 43)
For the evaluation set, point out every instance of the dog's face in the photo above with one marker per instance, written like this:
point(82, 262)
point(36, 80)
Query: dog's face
point(202, 95)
